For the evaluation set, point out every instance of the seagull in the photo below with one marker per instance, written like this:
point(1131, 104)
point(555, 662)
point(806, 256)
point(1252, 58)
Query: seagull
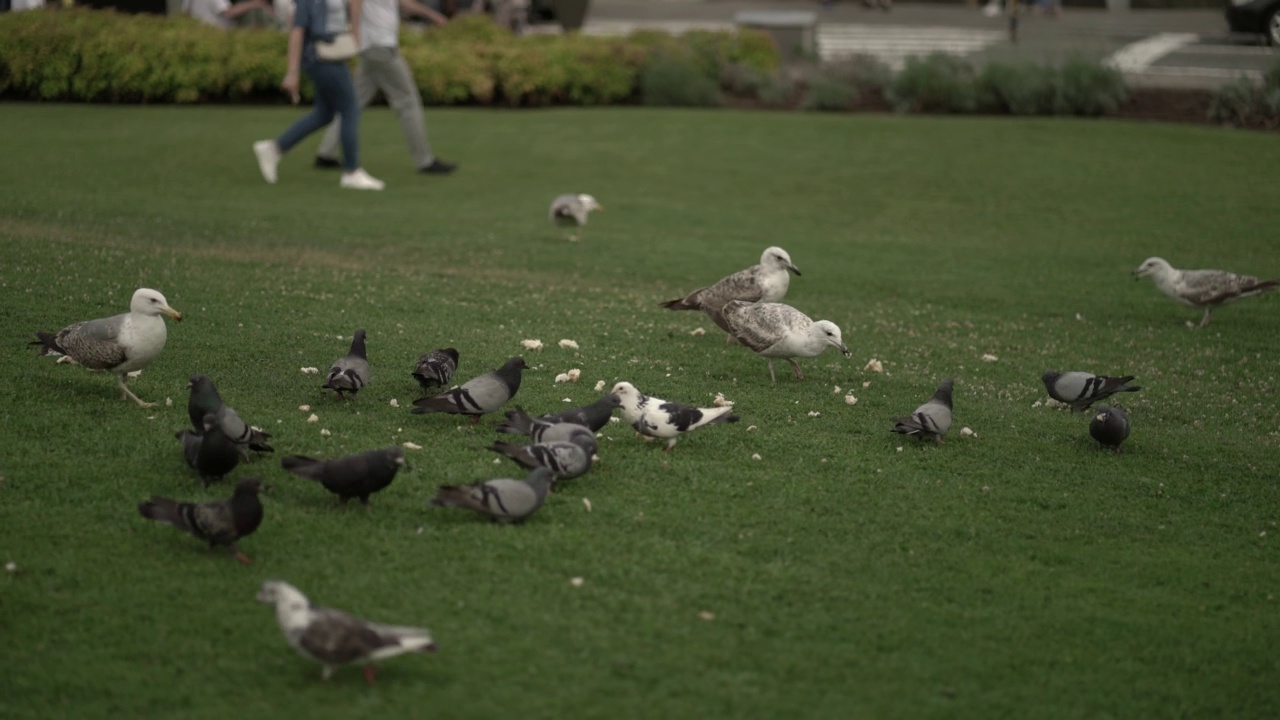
point(593, 416)
point(775, 330)
point(572, 210)
point(220, 523)
point(210, 453)
point(121, 344)
point(1206, 289)
point(657, 418)
point(1082, 389)
point(204, 400)
point(436, 368)
point(505, 500)
point(930, 420)
point(766, 282)
point(351, 371)
point(334, 638)
point(358, 476)
point(1110, 426)
point(477, 396)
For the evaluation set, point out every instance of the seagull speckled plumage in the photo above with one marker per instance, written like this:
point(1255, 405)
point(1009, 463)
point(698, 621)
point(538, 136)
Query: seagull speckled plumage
point(765, 282)
point(776, 330)
point(1206, 289)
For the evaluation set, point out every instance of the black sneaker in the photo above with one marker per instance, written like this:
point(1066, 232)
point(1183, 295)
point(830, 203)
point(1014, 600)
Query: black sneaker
point(438, 168)
point(325, 163)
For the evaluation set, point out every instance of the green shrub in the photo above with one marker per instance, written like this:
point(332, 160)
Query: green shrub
point(742, 80)
point(829, 93)
point(677, 82)
point(1245, 103)
point(779, 90)
point(938, 83)
point(1017, 89)
point(864, 72)
point(1089, 88)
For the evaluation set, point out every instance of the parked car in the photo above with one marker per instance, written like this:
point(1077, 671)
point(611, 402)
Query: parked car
point(1257, 17)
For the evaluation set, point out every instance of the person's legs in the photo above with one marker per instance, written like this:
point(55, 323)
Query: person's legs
point(324, 79)
point(366, 89)
point(344, 102)
point(396, 81)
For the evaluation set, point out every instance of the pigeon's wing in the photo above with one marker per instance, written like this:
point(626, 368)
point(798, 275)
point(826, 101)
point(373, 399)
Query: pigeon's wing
point(682, 417)
point(95, 343)
point(348, 373)
point(502, 498)
point(760, 326)
point(1212, 287)
point(190, 447)
point(487, 391)
point(213, 521)
point(336, 638)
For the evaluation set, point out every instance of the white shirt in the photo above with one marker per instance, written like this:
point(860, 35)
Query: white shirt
point(379, 24)
point(26, 5)
point(209, 11)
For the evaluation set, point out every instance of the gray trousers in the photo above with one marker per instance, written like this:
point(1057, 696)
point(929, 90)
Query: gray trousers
point(382, 68)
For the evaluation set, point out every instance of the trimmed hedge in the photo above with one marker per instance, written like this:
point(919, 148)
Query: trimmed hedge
point(1249, 104)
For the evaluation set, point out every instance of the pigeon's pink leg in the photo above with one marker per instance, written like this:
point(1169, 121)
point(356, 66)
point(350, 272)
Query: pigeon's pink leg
point(370, 674)
point(243, 558)
point(475, 419)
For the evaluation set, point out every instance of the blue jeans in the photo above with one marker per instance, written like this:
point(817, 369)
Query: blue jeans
point(334, 94)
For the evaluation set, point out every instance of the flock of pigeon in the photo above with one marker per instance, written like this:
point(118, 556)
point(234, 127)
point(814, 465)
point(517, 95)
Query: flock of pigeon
point(561, 446)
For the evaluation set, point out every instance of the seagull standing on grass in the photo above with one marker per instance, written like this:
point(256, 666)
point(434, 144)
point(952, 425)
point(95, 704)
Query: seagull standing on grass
point(572, 211)
point(121, 344)
point(775, 330)
point(766, 282)
point(1206, 289)
point(658, 418)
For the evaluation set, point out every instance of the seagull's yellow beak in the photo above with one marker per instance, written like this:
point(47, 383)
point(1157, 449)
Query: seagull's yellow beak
point(172, 313)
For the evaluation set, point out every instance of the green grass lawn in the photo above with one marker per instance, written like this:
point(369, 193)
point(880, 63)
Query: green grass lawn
point(1020, 572)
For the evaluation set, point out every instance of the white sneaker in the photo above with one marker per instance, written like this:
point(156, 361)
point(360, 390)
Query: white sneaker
point(358, 179)
point(268, 159)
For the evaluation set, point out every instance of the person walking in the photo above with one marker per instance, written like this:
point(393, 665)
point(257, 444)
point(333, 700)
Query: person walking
point(382, 68)
point(322, 22)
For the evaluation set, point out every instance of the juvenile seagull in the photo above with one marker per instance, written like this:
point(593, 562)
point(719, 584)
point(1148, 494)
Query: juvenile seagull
point(210, 453)
point(593, 416)
point(766, 282)
point(930, 420)
point(1206, 289)
point(572, 210)
point(351, 371)
point(357, 476)
point(121, 343)
point(657, 418)
point(504, 500)
point(1110, 426)
point(205, 400)
point(477, 396)
point(775, 330)
point(219, 523)
point(334, 638)
point(1082, 389)
point(436, 368)
point(565, 459)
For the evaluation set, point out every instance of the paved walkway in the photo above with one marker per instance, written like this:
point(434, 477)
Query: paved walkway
point(1184, 48)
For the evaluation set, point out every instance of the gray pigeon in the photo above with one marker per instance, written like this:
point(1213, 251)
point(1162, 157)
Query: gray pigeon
point(1206, 289)
point(436, 368)
point(357, 476)
point(219, 523)
point(572, 211)
point(540, 430)
point(566, 460)
point(210, 453)
point(593, 416)
point(658, 418)
point(1082, 389)
point(205, 400)
point(766, 282)
point(334, 638)
point(351, 371)
point(119, 344)
point(1110, 426)
point(477, 396)
point(930, 420)
point(505, 500)
point(776, 330)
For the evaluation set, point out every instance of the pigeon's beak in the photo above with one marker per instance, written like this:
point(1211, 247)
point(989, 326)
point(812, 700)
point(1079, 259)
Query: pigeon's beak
point(190, 385)
point(793, 269)
point(172, 313)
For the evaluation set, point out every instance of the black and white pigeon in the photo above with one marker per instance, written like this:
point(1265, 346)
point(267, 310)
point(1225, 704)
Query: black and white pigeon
point(1109, 426)
point(1206, 289)
point(353, 476)
point(658, 418)
point(219, 523)
point(210, 453)
point(566, 459)
point(540, 430)
point(205, 400)
point(477, 396)
point(572, 210)
point(351, 372)
point(1082, 389)
point(593, 416)
point(436, 368)
point(930, 420)
point(504, 500)
point(334, 638)
point(120, 344)
point(766, 282)
point(777, 330)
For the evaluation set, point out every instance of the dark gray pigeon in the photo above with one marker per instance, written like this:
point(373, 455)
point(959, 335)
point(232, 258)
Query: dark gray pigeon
point(218, 523)
point(477, 396)
point(930, 420)
point(593, 416)
point(211, 453)
point(1110, 426)
point(566, 460)
point(505, 500)
point(436, 368)
point(334, 638)
point(205, 400)
point(540, 430)
point(1082, 389)
point(357, 476)
point(351, 371)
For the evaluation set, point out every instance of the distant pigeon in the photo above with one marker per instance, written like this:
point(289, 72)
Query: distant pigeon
point(565, 459)
point(435, 369)
point(204, 400)
point(1206, 289)
point(120, 344)
point(540, 430)
point(334, 638)
point(210, 453)
point(353, 476)
point(572, 210)
point(775, 330)
point(1082, 389)
point(930, 420)
point(478, 396)
point(1110, 426)
point(657, 418)
point(766, 282)
point(593, 416)
point(219, 523)
point(505, 500)
point(351, 372)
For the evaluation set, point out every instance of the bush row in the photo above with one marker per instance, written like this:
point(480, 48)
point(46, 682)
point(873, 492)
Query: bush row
point(1249, 104)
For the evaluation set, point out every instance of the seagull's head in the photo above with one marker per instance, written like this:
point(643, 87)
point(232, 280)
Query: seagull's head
point(829, 333)
point(777, 258)
point(627, 394)
point(1152, 266)
point(150, 302)
point(590, 203)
